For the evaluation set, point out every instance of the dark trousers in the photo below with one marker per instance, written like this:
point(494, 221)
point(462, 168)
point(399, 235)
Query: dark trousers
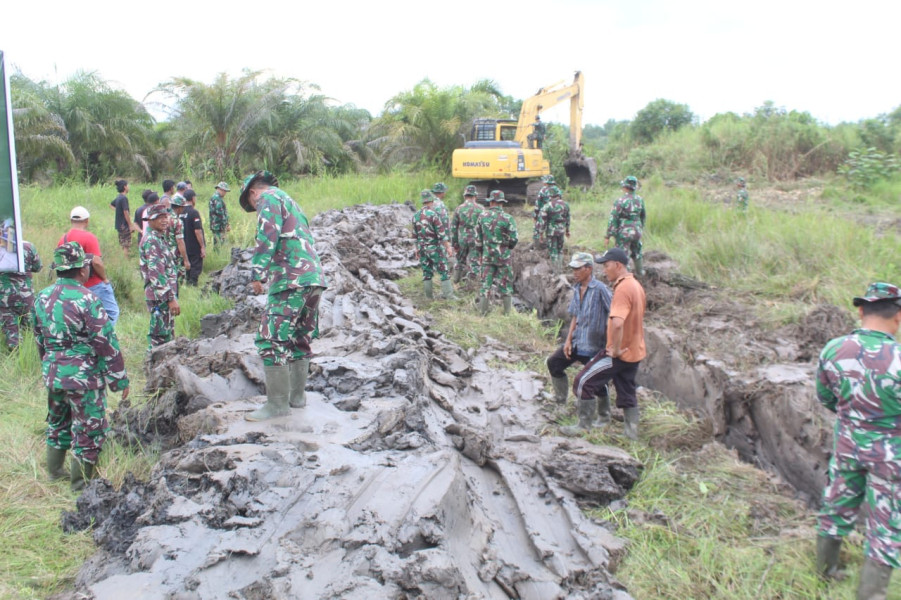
point(599, 371)
point(557, 363)
point(196, 269)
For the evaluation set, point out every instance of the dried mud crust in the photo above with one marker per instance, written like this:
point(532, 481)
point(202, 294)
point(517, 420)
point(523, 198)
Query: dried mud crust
point(416, 470)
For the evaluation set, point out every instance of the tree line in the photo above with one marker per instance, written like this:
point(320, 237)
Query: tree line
point(85, 129)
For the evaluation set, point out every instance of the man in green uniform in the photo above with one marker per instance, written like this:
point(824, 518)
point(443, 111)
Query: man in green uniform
point(219, 225)
point(742, 194)
point(859, 379)
point(439, 190)
point(433, 247)
point(553, 224)
point(80, 357)
point(539, 131)
point(463, 235)
point(285, 257)
point(542, 199)
point(16, 293)
point(495, 239)
point(626, 224)
point(160, 273)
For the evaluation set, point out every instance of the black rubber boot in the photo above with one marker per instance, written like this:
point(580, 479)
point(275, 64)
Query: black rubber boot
point(80, 475)
point(630, 422)
point(56, 458)
point(827, 555)
point(561, 389)
point(874, 578)
point(587, 409)
point(603, 411)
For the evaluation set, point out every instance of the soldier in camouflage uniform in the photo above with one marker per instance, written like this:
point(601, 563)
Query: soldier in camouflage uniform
point(219, 225)
point(80, 357)
point(175, 238)
point(16, 293)
point(626, 224)
point(439, 190)
point(285, 257)
point(160, 273)
point(433, 247)
point(495, 239)
point(553, 222)
point(742, 194)
point(859, 379)
point(542, 199)
point(463, 235)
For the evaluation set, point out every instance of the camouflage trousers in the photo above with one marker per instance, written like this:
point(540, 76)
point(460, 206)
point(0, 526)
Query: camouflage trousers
point(162, 324)
point(289, 323)
point(499, 275)
point(468, 261)
point(76, 419)
point(431, 259)
point(219, 237)
point(16, 312)
point(629, 239)
point(555, 245)
point(865, 472)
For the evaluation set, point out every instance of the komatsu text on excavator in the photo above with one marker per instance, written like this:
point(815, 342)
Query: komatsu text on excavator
point(500, 153)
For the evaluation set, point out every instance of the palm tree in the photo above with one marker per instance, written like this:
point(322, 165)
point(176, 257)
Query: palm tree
point(42, 142)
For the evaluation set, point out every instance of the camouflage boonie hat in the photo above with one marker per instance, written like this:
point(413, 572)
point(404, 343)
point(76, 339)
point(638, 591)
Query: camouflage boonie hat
point(439, 188)
point(549, 179)
point(581, 259)
point(223, 186)
point(70, 256)
point(629, 182)
point(879, 291)
point(177, 200)
point(554, 192)
point(740, 181)
point(470, 190)
point(426, 196)
point(156, 210)
point(496, 196)
point(250, 180)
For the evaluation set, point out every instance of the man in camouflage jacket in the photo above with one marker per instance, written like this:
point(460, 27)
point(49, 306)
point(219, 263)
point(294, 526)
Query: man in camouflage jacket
point(626, 224)
point(160, 273)
point(17, 295)
point(432, 246)
point(553, 223)
point(463, 235)
point(285, 257)
point(859, 379)
point(439, 190)
point(219, 225)
point(174, 236)
point(495, 239)
point(80, 357)
point(742, 194)
point(542, 199)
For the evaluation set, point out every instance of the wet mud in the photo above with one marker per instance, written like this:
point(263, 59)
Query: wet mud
point(416, 470)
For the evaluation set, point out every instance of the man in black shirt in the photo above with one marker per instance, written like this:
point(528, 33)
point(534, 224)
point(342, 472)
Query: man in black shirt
point(123, 218)
point(150, 198)
point(195, 243)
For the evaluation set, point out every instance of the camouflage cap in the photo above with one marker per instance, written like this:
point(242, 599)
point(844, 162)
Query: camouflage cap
point(629, 182)
point(496, 196)
point(439, 188)
point(249, 181)
point(70, 256)
point(157, 210)
point(426, 196)
point(740, 181)
point(470, 190)
point(581, 259)
point(177, 200)
point(554, 192)
point(223, 186)
point(549, 179)
point(879, 291)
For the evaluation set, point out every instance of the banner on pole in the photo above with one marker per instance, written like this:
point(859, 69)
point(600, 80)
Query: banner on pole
point(11, 251)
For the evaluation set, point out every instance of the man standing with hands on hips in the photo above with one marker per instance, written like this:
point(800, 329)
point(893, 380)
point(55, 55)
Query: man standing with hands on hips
point(625, 342)
point(285, 257)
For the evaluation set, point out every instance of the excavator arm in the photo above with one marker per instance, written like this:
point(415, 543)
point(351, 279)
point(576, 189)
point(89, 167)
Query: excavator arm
point(548, 97)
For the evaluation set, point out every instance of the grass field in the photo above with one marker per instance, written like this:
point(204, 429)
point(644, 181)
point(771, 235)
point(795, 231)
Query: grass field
point(782, 260)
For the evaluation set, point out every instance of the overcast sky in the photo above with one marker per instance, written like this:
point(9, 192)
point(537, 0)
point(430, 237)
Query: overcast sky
point(835, 60)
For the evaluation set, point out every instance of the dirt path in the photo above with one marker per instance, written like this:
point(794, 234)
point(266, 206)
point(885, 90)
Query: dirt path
point(415, 471)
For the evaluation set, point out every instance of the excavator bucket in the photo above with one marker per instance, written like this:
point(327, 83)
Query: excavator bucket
point(581, 171)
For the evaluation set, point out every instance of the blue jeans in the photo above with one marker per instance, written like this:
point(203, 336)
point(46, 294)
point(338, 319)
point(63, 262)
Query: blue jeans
point(104, 291)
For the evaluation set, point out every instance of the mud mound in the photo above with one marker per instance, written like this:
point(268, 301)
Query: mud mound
point(414, 471)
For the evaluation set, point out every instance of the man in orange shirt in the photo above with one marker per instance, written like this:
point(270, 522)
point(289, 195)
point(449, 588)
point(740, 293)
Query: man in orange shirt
point(625, 342)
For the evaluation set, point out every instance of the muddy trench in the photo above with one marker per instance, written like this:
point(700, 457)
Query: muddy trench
point(416, 470)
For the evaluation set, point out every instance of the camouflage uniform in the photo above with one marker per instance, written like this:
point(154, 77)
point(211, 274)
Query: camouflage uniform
point(495, 239)
point(431, 237)
point(543, 198)
point(463, 236)
point(175, 232)
point(286, 257)
point(553, 222)
point(79, 357)
point(742, 196)
point(17, 296)
point(160, 273)
point(859, 379)
point(626, 224)
point(218, 218)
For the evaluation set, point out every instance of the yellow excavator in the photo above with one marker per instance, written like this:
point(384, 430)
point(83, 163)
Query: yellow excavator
point(502, 154)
